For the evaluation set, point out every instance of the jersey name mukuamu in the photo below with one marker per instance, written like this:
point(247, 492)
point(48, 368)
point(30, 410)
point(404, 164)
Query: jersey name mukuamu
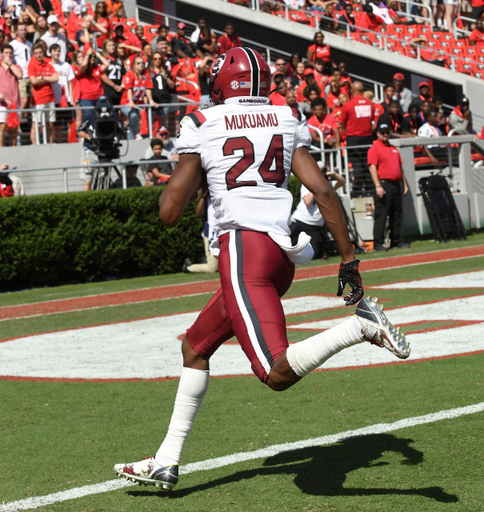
point(246, 150)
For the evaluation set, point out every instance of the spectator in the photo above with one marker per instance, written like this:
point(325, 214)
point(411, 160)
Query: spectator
point(311, 92)
point(157, 173)
point(206, 43)
point(477, 35)
point(101, 18)
point(204, 208)
point(196, 33)
point(86, 37)
point(131, 178)
point(22, 53)
point(430, 129)
point(437, 105)
point(379, 110)
point(53, 37)
point(6, 188)
point(147, 54)
point(169, 148)
point(42, 75)
point(411, 121)
point(76, 87)
point(6, 24)
point(90, 81)
point(308, 219)
point(424, 93)
point(347, 20)
point(318, 49)
point(138, 39)
point(119, 34)
point(10, 73)
point(27, 18)
point(388, 92)
point(40, 7)
point(477, 8)
point(291, 99)
point(113, 77)
point(137, 91)
point(357, 124)
point(461, 117)
point(324, 122)
point(308, 80)
point(164, 48)
point(293, 62)
point(322, 78)
point(41, 28)
point(298, 77)
point(63, 93)
point(401, 93)
point(368, 21)
point(229, 39)
point(3, 40)
point(332, 98)
point(341, 64)
point(181, 44)
point(278, 96)
point(163, 86)
point(203, 76)
point(450, 13)
point(117, 9)
point(328, 22)
point(394, 119)
point(319, 5)
point(162, 33)
point(386, 170)
point(336, 113)
point(425, 106)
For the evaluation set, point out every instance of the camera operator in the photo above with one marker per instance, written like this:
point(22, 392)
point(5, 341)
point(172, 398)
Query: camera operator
point(101, 141)
point(6, 188)
point(307, 217)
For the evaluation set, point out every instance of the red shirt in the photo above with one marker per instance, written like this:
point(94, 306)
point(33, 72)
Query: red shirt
point(378, 111)
point(326, 125)
point(387, 160)
point(6, 190)
point(43, 92)
point(332, 101)
point(478, 36)
point(139, 86)
point(477, 3)
point(365, 22)
point(91, 85)
point(226, 42)
point(322, 52)
point(102, 37)
point(277, 99)
point(357, 114)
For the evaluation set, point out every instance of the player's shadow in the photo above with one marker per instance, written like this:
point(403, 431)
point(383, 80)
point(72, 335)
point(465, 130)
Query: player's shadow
point(322, 470)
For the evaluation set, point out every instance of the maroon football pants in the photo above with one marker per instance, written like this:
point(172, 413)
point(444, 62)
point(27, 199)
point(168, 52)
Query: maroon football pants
point(255, 273)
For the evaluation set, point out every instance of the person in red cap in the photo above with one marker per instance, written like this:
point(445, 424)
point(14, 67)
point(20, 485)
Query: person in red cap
point(386, 171)
point(401, 93)
point(181, 45)
point(424, 93)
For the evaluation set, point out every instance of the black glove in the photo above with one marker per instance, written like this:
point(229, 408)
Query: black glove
point(348, 273)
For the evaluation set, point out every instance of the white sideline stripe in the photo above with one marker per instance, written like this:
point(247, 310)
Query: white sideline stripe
point(235, 458)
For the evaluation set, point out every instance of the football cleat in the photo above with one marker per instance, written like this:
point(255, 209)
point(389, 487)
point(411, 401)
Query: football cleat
point(378, 330)
point(149, 472)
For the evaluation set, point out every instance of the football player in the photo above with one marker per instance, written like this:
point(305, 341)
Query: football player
point(244, 149)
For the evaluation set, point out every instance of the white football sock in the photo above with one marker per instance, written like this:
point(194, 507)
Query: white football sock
point(191, 391)
point(307, 355)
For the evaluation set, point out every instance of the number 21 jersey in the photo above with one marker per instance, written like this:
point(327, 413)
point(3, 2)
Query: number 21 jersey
point(246, 150)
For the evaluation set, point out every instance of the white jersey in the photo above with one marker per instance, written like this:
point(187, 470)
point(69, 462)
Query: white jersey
point(427, 130)
point(22, 53)
point(65, 73)
point(246, 150)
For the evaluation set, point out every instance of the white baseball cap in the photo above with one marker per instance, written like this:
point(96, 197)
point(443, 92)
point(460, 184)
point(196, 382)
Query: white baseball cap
point(52, 19)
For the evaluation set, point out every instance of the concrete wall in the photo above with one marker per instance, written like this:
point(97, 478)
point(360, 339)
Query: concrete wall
point(58, 155)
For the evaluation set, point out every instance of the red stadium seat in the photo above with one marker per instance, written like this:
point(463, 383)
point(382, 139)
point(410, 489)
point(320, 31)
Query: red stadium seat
point(150, 32)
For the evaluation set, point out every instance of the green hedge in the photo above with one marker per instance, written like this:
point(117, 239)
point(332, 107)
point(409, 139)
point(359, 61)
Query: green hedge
point(79, 237)
point(54, 239)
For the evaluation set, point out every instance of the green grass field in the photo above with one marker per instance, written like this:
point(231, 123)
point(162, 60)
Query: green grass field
point(57, 436)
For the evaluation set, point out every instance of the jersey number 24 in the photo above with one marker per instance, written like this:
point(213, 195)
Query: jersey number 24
point(275, 153)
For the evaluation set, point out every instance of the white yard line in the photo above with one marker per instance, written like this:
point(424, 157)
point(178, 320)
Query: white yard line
point(379, 428)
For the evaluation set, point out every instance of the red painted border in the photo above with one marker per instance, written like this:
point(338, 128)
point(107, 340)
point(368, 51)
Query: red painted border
point(202, 287)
